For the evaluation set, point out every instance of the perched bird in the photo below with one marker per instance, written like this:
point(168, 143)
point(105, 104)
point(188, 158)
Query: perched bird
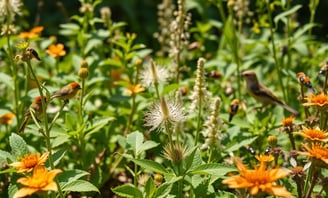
point(262, 93)
point(67, 92)
point(36, 106)
point(233, 108)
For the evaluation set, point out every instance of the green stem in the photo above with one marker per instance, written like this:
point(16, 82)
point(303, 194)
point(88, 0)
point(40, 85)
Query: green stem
point(313, 4)
point(199, 116)
point(46, 127)
point(81, 101)
point(221, 11)
point(277, 62)
point(133, 108)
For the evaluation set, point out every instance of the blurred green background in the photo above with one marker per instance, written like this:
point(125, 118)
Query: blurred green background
point(141, 15)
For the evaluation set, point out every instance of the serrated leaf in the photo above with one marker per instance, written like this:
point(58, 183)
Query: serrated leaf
point(18, 145)
point(238, 145)
point(150, 165)
point(127, 190)
point(218, 170)
point(80, 186)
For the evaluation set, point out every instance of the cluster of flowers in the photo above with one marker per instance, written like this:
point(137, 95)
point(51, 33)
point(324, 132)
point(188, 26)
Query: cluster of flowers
point(40, 180)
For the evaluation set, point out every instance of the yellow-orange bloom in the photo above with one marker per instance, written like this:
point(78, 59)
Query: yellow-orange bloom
point(313, 134)
point(317, 151)
point(41, 180)
point(320, 100)
point(260, 179)
point(7, 118)
point(264, 158)
point(56, 50)
point(133, 89)
point(288, 121)
point(27, 163)
point(33, 33)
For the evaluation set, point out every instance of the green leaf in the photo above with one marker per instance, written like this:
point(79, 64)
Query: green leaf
point(7, 157)
point(97, 125)
point(62, 138)
point(69, 29)
point(127, 190)
point(150, 165)
point(150, 187)
point(7, 80)
point(146, 146)
point(18, 145)
point(71, 175)
point(218, 170)
point(92, 43)
point(189, 158)
point(135, 140)
point(238, 145)
point(111, 63)
point(56, 157)
point(169, 88)
point(80, 186)
point(163, 190)
point(282, 16)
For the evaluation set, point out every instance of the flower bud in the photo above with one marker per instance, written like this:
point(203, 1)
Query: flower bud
point(272, 140)
point(84, 71)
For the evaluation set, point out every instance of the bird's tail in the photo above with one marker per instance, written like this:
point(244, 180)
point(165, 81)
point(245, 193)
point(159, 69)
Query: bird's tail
point(23, 125)
point(291, 110)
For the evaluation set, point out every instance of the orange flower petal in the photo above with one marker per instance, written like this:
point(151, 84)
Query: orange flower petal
point(23, 192)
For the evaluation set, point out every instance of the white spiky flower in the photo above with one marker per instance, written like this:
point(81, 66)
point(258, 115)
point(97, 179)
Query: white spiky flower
point(163, 113)
point(9, 8)
point(153, 74)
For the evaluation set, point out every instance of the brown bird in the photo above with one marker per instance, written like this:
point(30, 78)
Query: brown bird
point(262, 93)
point(36, 106)
point(67, 92)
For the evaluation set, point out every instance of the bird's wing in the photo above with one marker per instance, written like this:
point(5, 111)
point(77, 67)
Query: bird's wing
point(265, 92)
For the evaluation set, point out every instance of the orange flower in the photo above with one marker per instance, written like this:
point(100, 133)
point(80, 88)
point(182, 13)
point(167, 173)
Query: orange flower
point(40, 180)
point(320, 100)
point(313, 134)
point(133, 89)
point(56, 50)
point(317, 151)
point(264, 158)
point(27, 163)
point(288, 121)
point(33, 33)
point(260, 179)
point(7, 118)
